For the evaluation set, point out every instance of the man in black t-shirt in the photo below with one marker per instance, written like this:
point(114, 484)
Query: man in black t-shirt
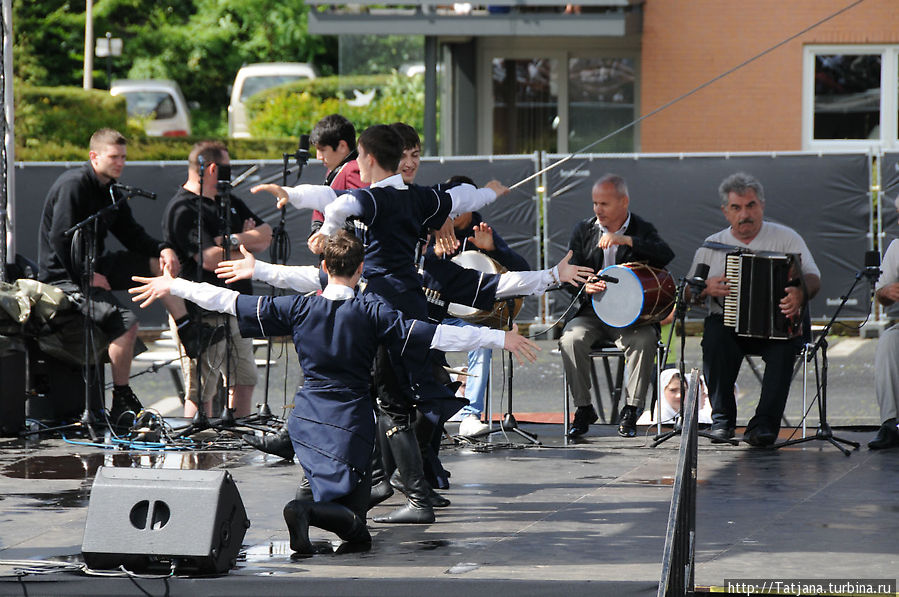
point(76, 195)
point(179, 225)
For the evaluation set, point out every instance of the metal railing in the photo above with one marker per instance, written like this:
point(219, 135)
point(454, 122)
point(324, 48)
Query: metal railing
point(679, 555)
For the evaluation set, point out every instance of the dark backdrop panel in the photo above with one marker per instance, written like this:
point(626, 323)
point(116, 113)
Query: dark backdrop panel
point(163, 178)
point(513, 216)
point(823, 197)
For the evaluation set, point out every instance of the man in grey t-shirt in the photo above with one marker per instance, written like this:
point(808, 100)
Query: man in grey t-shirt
point(743, 205)
point(886, 359)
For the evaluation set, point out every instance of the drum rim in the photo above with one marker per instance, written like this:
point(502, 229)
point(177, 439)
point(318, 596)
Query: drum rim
point(642, 296)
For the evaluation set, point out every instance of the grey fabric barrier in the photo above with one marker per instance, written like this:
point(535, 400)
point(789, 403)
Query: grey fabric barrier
point(514, 216)
point(824, 197)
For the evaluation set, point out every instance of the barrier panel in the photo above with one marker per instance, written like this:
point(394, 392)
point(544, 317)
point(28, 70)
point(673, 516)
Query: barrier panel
point(824, 197)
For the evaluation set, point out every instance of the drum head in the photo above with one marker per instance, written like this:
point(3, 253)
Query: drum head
point(622, 302)
point(482, 263)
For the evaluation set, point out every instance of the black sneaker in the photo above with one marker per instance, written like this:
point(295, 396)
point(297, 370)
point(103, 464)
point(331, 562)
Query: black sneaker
point(196, 336)
point(583, 417)
point(125, 407)
point(627, 423)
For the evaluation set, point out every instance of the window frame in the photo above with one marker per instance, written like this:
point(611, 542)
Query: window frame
point(889, 97)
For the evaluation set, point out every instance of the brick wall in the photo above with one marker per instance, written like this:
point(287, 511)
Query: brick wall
point(757, 108)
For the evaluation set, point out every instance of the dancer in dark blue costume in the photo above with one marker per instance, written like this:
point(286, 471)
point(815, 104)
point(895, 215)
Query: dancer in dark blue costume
point(392, 214)
point(336, 335)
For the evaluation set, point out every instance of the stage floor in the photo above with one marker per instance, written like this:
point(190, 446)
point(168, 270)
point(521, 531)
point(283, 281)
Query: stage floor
point(586, 519)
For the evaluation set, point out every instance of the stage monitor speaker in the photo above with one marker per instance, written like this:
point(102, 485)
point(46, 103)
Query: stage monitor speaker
point(145, 519)
point(12, 392)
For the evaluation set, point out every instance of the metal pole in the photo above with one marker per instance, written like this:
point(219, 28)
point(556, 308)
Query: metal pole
point(7, 194)
point(430, 116)
point(89, 44)
point(108, 60)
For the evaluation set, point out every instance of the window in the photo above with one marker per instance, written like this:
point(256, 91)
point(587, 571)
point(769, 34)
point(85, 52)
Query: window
point(851, 97)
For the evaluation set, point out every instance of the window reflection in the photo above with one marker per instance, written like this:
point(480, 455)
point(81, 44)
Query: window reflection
point(847, 96)
point(601, 100)
point(525, 105)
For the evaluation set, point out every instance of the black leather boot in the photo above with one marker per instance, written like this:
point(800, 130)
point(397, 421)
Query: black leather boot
point(380, 487)
point(124, 401)
point(296, 515)
point(341, 521)
point(278, 444)
point(405, 451)
point(304, 491)
point(437, 500)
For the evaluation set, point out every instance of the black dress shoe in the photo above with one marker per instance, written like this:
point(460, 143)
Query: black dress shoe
point(278, 444)
point(627, 423)
point(887, 436)
point(760, 437)
point(583, 417)
point(722, 434)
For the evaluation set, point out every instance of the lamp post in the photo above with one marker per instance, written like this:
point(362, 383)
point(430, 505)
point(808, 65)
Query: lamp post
point(108, 47)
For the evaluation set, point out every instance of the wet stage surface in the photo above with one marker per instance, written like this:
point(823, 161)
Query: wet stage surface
point(587, 519)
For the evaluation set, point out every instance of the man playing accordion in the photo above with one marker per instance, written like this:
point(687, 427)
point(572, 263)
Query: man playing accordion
point(743, 205)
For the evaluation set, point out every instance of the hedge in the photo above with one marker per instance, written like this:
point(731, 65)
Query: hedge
point(294, 108)
point(64, 115)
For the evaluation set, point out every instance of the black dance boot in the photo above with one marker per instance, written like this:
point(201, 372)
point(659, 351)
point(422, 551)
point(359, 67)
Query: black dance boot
point(278, 444)
point(304, 491)
point(380, 487)
point(341, 521)
point(405, 451)
point(296, 515)
point(437, 500)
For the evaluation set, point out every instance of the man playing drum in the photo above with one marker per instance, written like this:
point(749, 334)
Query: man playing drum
point(612, 236)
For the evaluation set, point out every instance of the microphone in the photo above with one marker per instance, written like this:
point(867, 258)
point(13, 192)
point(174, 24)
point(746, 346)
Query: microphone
point(604, 278)
point(699, 276)
point(302, 154)
point(872, 265)
point(134, 191)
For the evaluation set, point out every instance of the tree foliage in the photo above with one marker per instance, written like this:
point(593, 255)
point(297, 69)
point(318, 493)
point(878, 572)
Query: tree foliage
point(199, 43)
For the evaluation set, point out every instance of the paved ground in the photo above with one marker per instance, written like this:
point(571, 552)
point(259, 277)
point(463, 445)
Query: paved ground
point(586, 519)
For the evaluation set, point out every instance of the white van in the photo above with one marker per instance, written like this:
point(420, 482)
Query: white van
point(252, 79)
point(158, 101)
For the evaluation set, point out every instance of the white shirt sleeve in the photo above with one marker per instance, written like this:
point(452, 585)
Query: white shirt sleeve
point(310, 196)
point(469, 198)
point(449, 338)
point(525, 283)
point(338, 211)
point(207, 296)
point(302, 278)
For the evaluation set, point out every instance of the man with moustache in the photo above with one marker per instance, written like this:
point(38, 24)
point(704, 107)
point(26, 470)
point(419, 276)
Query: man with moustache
point(743, 205)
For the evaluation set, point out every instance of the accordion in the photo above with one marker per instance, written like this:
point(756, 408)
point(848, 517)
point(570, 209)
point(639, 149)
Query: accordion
point(758, 283)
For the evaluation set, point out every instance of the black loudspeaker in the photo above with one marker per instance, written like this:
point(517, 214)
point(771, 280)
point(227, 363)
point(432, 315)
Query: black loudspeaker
point(56, 388)
point(12, 392)
point(146, 519)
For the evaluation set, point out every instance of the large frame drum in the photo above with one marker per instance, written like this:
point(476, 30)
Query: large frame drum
point(643, 294)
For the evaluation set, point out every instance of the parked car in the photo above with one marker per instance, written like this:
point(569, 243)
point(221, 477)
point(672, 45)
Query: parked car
point(253, 78)
point(159, 102)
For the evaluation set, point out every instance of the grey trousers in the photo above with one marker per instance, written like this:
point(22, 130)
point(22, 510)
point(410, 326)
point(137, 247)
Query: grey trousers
point(886, 373)
point(639, 346)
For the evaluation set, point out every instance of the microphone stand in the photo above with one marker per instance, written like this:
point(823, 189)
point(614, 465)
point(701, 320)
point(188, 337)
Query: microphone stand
point(680, 313)
point(224, 190)
point(200, 421)
point(825, 433)
point(280, 254)
point(509, 423)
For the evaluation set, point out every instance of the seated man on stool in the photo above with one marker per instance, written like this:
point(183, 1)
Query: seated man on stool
point(743, 205)
point(613, 235)
point(886, 359)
